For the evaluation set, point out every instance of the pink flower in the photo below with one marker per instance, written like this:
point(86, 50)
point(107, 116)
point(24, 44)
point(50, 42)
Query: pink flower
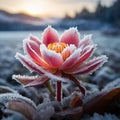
point(58, 58)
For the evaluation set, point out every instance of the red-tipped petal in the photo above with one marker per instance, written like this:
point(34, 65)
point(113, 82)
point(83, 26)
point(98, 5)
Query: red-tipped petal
point(51, 57)
point(71, 36)
point(28, 63)
point(89, 67)
point(35, 39)
point(33, 45)
point(24, 79)
point(33, 67)
point(33, 55)
point(70, 61)
point(38, 81)
point(85, 41)
point(85, 54)
point(68, 51)
point(50, 36)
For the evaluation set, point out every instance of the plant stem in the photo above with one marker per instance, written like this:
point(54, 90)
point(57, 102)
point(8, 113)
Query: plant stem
point(50, 88)
point(59, 91)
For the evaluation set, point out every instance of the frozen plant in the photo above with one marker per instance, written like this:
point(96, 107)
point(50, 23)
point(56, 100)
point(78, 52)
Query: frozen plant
point(58, 58)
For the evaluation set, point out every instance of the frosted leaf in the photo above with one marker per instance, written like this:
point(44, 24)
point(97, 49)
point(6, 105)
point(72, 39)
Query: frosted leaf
point(66, 102)
point(47, 109)
point(45, 114)
point(111, 85)
point(4, 89)
point(24, 108)
point(91, 91)
point(55, 104)
point(5, 98)
point(104, 101)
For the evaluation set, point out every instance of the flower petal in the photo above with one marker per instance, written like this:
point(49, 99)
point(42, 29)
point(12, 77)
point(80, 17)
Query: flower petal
point(70, 61)
point(33, 55)
point(51, 57)
point(24, 79)
point(68, 51)
point(33, 67)
point(33, 45)
point(28, 63)
point(38, 81)
point(50, 35)
point(85, 41)
point(34, 39)
point(89, 67)
point(71, 36)
point(85, 54)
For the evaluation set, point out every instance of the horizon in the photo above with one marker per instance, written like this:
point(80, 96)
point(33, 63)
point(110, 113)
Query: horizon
point(47, 8)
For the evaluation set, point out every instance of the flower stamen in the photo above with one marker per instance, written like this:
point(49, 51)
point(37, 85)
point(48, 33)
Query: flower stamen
point(57, 46)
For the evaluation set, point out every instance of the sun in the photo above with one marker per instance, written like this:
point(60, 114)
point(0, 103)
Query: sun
point(32, 11)
point(32, 8)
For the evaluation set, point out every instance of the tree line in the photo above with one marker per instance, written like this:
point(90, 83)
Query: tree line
point(105, 14)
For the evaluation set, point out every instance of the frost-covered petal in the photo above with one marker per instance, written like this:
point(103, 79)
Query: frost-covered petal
point(33, 54)
point(85, 41)
point(30, 65)
point(89, 67)
point(24, 79)
point(34, 39)
point(51, 57)
point(32, 44)
point(33, 67)
point(50, 36)
point(85, 54)
point(71, 36)
point(70, 61)
point(68, 51)
point(38, 81)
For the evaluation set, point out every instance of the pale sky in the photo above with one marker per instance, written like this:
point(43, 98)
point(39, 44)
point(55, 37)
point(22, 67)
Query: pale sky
point(55, 8)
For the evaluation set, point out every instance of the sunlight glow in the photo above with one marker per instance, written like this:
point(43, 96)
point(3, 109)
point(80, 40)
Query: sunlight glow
point(32, 8)
point(47, 8)
point(32, 11)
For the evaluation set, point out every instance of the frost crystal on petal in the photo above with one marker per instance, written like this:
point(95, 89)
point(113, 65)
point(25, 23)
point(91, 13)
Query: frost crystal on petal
point(71, 36)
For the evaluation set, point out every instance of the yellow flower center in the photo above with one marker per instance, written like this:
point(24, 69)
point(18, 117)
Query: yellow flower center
point(59, 47)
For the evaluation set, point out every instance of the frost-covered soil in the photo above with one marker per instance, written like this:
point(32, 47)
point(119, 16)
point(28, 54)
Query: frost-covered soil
point(104, 79)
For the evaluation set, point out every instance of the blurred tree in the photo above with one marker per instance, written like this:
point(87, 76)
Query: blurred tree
point(108, 14)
